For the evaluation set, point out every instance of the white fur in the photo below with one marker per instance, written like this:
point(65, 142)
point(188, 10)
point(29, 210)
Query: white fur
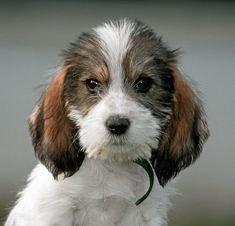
point(100, 194)
point(115, 40)
point(97, 141)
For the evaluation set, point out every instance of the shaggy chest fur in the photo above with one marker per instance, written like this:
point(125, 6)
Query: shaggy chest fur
point(101, 194)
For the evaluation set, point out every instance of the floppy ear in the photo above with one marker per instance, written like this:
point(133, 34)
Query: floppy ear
point(182, 139)
point(53, 134)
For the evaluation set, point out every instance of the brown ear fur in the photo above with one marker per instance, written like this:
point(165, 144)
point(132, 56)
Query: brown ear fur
point(182, 139)
point(53, 133)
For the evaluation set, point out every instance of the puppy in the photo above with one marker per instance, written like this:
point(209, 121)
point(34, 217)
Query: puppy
point(115, 124)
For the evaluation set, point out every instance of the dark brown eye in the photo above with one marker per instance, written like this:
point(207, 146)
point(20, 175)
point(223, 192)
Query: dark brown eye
point(143, 85)
point(93, 85)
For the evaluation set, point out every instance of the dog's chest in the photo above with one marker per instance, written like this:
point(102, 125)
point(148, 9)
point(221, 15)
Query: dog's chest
point(106, 194)
point(108, 212)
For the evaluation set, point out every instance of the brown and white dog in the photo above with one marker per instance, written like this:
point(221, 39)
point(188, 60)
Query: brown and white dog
point(118, 97)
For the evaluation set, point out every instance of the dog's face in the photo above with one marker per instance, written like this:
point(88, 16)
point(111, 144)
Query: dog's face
point(119, 97)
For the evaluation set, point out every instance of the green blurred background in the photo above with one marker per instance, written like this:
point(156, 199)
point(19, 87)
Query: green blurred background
point(32, 34)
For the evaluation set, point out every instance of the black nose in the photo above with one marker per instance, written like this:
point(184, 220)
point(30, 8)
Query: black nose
point(117, 124)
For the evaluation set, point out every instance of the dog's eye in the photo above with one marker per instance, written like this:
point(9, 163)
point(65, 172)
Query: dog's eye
point(143, 85)
point(93, 85)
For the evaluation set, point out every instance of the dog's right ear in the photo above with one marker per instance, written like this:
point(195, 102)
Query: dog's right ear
point(53, 133)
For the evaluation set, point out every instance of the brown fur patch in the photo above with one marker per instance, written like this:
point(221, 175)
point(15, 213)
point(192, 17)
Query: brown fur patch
point(179, 130)
point(98, 72)
point(182, 139)
point(57, 127)
point(53, 133)
point(102, 74)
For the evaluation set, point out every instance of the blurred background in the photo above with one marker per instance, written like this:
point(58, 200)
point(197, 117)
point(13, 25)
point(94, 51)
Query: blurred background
point(32, 34)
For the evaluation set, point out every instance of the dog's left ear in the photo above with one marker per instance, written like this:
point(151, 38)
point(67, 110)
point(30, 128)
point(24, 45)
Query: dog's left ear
point(182, 139)
point(53, 133)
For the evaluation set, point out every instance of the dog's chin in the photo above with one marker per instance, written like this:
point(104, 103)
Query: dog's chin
point(119, 152)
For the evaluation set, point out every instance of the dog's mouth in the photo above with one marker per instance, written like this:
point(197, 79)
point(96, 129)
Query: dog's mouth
point(116, 144)
point(120, 151)
point(118, 141)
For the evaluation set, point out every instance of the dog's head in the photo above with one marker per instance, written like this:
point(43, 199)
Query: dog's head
point(119, 97)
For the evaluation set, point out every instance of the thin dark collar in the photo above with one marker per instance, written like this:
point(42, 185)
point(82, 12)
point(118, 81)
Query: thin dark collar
point(148, 168)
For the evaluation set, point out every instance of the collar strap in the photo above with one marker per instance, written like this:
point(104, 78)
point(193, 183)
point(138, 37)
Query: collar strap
point(148, 168)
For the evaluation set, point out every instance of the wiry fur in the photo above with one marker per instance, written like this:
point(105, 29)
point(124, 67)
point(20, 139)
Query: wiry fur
point(87, 199)
point(97, 181)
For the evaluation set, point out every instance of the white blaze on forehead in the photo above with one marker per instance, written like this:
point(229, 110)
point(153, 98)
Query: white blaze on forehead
point(115, 40)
